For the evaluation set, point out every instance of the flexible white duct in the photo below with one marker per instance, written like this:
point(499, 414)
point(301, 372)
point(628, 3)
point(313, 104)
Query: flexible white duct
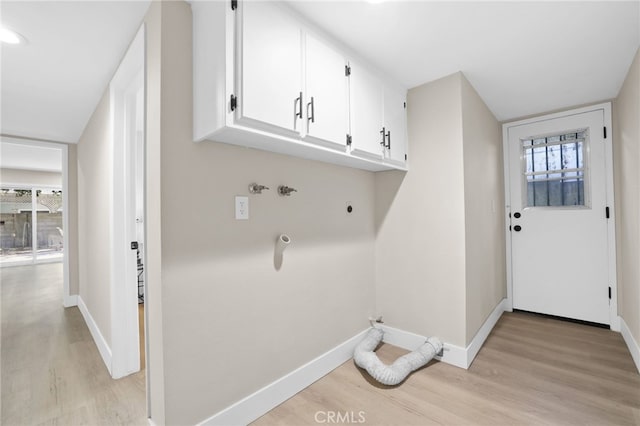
point(400, 369)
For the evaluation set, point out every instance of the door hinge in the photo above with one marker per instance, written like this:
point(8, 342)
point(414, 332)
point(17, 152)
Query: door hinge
point(348, 140)
point(405, 157)
point(405, 104)
point(234, 4)
point(233, 103)
point(134, 245)
point(347, 70)
point(604, 132)
point(609, 293)
point(606, 212)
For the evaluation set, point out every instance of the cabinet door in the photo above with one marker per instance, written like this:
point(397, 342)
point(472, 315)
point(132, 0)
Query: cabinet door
point(395, 125)
point(271, 69)
point(326, 95)
point(366, 106)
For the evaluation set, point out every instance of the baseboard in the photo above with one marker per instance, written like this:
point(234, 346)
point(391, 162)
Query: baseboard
point(259, 403)
point(98, 338)
point(631, 343)
point(485, 330)
point(451, 354)
point(71, 300)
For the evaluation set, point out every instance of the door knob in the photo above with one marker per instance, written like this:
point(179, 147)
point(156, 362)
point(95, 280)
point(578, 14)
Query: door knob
point(517, 228)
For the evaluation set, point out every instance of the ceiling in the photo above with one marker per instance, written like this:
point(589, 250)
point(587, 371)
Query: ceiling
point(51, 85)
point(523, 58)
point(21, 156)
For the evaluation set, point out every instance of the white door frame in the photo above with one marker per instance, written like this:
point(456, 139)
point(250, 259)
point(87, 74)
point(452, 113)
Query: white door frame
point(611, 234)
point(68, 300)
point(124, 297)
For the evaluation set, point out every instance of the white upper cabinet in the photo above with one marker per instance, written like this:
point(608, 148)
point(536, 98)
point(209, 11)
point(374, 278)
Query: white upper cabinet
point(265, 78)
point(271, 69)
point(395, 126)
point(326, 94)
point(366, 104)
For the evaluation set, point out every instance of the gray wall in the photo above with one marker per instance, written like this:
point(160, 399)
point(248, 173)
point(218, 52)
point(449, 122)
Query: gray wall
point(440, 228)
point(30, 177)
point(484, 204)
point(626, 139)
point(407, 252)
point(95, 164)
point(420, 247)
point(232, 322)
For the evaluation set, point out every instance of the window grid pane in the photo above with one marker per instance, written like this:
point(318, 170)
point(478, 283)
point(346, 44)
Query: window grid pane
point(554, 170)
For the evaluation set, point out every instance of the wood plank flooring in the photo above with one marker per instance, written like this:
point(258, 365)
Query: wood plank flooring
point(531, 371)
point(52, 373)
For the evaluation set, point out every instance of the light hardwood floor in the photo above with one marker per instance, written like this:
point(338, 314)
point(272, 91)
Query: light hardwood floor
point(532, 370)
point(52, 373)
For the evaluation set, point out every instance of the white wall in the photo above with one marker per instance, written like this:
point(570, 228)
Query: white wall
point(484, 210)
point(420, 242)
point(626, 140)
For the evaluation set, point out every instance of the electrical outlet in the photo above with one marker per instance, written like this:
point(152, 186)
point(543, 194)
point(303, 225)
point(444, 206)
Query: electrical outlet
point(242, 208)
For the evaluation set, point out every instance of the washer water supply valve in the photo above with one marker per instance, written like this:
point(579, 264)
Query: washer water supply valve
point(254, 188)
point(285, 190)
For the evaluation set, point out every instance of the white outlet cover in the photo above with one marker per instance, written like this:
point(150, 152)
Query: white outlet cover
point(242, 207)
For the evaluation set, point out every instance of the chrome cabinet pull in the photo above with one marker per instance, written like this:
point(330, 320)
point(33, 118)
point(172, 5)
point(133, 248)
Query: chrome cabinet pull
point(313, 114)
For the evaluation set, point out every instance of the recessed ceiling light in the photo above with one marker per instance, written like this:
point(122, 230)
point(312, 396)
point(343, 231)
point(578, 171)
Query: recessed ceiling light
point(11, 37)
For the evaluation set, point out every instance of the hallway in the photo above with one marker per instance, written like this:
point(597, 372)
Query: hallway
point(51, 370)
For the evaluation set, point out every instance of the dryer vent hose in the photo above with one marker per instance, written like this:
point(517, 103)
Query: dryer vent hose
point(365, 357)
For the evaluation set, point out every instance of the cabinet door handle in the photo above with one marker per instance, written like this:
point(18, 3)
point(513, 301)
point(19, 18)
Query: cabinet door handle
point(313, 114)
point(297, 112)
point(388, 140)
point(382, 132)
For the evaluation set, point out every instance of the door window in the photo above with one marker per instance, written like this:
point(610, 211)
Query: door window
point(554, 170)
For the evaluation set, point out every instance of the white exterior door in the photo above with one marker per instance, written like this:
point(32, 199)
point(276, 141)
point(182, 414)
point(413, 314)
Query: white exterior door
point(271, 69)
point(558, 184)
point(326, 95)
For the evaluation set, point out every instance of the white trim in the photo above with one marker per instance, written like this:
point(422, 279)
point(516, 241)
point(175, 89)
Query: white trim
point(452, 354)
point(127, 80)
point(507, 214)
point(67, 299)
point(633, 346)
point(98, 338)
point(485, 330)
point(614, 322)
point(70, 300)
point(614, 319)
point(257, 404)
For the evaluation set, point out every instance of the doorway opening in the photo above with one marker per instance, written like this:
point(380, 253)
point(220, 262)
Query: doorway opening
point(31, 225)
point(34, 205)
